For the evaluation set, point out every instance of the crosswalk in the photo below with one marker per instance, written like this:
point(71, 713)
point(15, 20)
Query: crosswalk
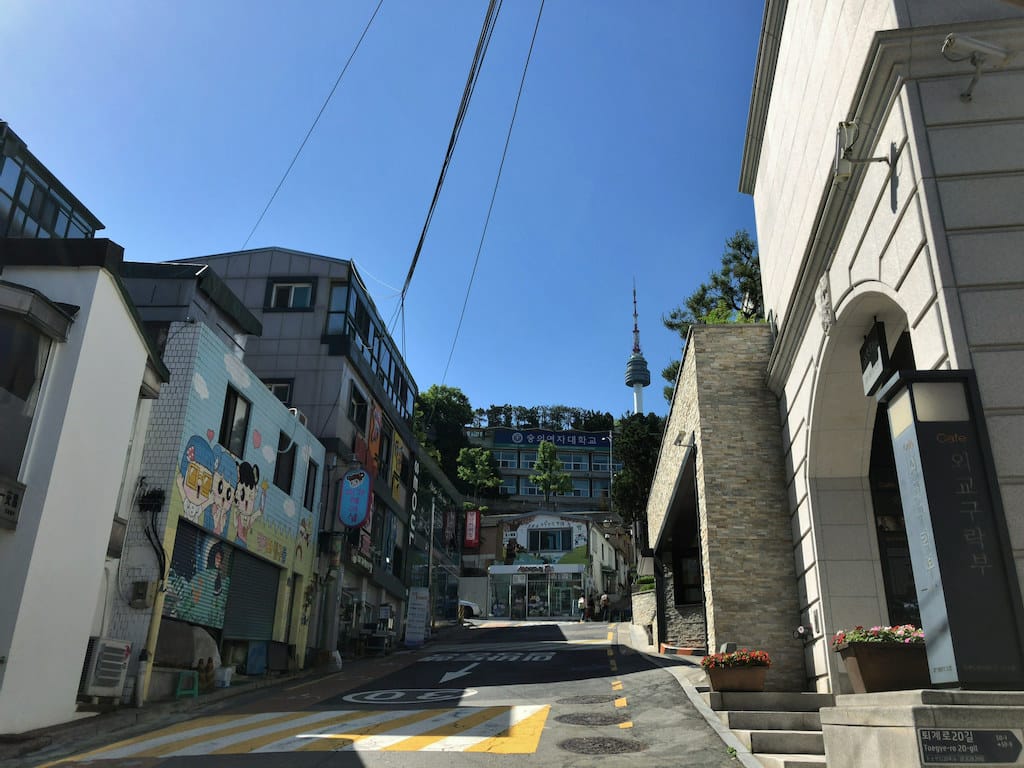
point(496, 730)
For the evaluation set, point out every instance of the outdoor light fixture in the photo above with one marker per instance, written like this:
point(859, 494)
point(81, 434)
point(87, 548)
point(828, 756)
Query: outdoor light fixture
point(957, 48)
point(956, 531)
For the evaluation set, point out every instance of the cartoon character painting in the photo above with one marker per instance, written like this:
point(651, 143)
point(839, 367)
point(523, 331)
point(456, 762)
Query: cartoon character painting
point(195, 479)
point(225, 480)
point(196, 593)
point(246, 509)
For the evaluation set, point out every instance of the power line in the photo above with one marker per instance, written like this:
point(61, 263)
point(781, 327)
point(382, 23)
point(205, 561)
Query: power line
point(494, 192)
point(474, 72)
point(315, 121)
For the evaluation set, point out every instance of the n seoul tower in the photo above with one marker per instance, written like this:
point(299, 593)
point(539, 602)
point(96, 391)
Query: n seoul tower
point(638, 375)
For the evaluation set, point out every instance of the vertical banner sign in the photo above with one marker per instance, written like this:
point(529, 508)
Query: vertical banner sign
point(354, 498)
point(955, 550)
point(472, 528)
point(416, 616)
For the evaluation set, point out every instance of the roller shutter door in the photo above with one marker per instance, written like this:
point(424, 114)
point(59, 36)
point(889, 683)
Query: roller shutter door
point(252, 602)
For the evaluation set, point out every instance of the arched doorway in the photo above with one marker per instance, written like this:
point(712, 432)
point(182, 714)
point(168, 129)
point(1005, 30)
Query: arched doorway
point(856, 560)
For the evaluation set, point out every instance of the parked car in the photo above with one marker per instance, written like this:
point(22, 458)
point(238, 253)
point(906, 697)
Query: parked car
point(470, 609)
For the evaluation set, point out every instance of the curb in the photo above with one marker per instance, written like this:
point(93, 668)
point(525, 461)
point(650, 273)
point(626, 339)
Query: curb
point(671, 650)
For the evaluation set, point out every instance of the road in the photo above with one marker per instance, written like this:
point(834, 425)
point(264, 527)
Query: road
point(552, 694)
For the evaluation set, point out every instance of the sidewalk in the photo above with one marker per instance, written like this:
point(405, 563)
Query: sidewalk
point(20, 746)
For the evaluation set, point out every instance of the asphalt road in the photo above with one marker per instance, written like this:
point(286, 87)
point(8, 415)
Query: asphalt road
point(498, 693)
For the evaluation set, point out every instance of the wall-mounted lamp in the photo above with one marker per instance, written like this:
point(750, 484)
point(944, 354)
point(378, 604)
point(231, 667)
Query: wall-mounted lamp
point(963, 48)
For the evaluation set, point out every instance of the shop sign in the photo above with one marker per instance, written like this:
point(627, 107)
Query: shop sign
point(11, 495)
point(354, 498)
point(361, 560)
point(472, 528)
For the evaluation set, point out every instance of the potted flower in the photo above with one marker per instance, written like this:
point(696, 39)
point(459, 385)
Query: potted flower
point(742, 670)
point(884, 658)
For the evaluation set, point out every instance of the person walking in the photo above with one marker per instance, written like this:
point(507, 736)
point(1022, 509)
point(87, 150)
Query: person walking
point(590, 608)
point(606, 613)
point(582, 605)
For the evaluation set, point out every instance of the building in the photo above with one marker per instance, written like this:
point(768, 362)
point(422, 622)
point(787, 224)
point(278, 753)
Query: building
point(326, 352)
point(884, 160)
point(78, 378)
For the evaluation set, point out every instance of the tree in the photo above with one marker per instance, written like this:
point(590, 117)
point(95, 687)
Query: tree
point(637, 443)
point(732, 295)
point(547, 472)
point(443, 414)
point(478, 469)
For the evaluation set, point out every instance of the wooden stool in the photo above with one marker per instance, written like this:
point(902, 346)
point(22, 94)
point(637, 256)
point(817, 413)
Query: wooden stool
point(188, 683)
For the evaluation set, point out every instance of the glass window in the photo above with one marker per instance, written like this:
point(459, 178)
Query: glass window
point(384, 452)
point(506, 459)
point(554, 540)
point(600, 486)
point(5, 211)
point(291, 295)
point(312, 476)
point(508, 486)
point(9, 174)
point(580, 487)
point(23, 356)
point(357, 408)
point(27, 188)
point(336, 309)
point(234, 424)
point(281, 388)
point(284, 469)
point(527, 459)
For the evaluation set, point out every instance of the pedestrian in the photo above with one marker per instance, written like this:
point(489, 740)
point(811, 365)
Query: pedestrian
point(606, 613)
point(582, 605)
point(590, 608)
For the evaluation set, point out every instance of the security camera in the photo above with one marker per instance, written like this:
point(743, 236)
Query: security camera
point(968, 46)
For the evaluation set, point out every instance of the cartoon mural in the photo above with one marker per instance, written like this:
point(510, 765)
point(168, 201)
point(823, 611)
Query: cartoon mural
point(198, 582)
point(195, 479)
point(225, 478)
point(247, 493)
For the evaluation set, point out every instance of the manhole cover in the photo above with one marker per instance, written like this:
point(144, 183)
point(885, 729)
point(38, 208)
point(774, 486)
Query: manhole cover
point(587, 718)
point(587, 700)
point(600, 746)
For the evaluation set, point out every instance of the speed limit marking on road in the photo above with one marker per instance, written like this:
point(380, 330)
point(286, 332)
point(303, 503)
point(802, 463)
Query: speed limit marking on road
point(409, 695)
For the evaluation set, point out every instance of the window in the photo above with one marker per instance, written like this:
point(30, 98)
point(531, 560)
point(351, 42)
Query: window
point(573, 461)
point(580, 487)
point(312, 475)
point(599, 462)
point(526, 488)
point(508, 486)
point(357, 408)
point(284, 469)
point(600, 487)
point(505, 459)
point(384, 452)
point(23, 356)
point(527, 459)
point(281, 388)
point(234, 424)
point(336, 309)
point(555, 540)
point(289, 294)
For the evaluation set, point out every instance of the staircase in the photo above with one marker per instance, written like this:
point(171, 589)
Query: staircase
point(781, 730)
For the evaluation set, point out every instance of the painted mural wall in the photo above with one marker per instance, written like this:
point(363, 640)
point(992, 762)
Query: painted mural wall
point(517, 544)
point(233, 498)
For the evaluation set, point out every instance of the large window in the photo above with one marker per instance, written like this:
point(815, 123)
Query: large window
point(506, 459)
point(554, 540)
point(282, 389)
point(336, 309)
point(23, 355)
point(572, 461)
point(234, 424)
point(284, 469)
point(285, 294)
point(508, 486)
point(527, 459)
point(357, 408)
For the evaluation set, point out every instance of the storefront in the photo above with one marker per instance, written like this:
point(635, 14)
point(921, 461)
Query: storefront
point(528, 591)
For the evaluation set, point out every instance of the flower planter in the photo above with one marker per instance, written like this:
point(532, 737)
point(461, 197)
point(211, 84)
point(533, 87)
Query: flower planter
point(874, 667)
point(737, 678)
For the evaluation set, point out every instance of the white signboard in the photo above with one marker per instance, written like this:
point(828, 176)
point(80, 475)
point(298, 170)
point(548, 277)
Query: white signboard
point(416, 617)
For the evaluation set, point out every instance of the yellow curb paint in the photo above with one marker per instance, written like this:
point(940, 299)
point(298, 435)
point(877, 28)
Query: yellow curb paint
point(250, 745)
point(627, 724)
point(521, 739)
point(414, 743)
point(328, 742)
point(617, 685)
point(620, 703)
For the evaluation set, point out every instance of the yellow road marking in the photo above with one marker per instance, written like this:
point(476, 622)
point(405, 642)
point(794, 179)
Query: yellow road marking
point(328, 742)
point(243, 747)
point(176, 745)
point(522, 738)
point(444, 731)
point(627, 724)
point(617, 685)
point(314, 681)
point(620, 703)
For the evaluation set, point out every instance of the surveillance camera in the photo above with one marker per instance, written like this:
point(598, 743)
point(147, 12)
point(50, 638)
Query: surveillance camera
point(964, 45)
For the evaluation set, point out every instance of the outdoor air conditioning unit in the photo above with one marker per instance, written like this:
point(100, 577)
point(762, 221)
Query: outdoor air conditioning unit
point(106, 667)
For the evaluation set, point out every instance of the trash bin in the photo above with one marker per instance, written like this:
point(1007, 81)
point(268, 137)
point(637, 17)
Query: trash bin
point(222, 677)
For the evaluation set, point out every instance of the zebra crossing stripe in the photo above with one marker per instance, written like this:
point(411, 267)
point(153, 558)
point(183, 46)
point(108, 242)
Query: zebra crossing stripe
point(276, 742)
point(461, 726)
point(506, 740)
point(330, 742)
point(521, 738)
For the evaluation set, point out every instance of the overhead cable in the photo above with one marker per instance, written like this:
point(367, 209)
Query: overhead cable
point(311, 127)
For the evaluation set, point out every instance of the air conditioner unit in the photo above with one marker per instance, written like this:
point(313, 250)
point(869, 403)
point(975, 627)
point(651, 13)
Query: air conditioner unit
point(298, 415)
point(106, 667)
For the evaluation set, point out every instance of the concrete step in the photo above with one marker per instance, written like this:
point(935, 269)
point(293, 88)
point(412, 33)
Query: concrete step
point(768, 701)
point(772, 721)
point(782, 742)
point(791, 761)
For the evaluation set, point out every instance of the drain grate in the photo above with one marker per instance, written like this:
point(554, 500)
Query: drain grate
point(587, 699)
point(589, 718)
point(601, 746)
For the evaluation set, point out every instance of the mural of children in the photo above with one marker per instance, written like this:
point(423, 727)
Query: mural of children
point(225, 479)
point(195, 479)
point(246, 511)
point(194, 593)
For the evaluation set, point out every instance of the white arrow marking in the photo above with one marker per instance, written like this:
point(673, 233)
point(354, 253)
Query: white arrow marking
point(458, 673)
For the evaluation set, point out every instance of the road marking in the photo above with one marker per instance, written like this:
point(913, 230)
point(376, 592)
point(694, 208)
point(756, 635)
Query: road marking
point(620, 703)
point(627, 724)
point(617, 685)
point(408, 695)
point(520, 738)
point(459, 672)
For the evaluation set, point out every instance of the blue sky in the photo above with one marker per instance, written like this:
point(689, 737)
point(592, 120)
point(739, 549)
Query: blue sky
point(174, 121)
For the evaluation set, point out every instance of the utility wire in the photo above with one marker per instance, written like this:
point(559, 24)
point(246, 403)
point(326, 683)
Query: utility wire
point(474, 72)
point(315, 121)
point(494, 192)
